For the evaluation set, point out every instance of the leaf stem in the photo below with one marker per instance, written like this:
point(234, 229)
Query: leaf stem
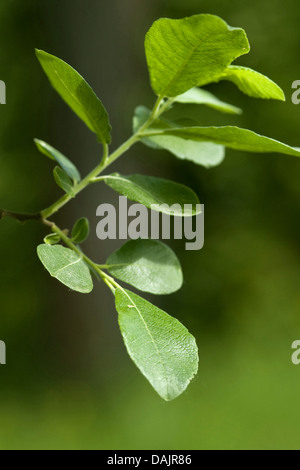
point(156, 108)
point(109, 266)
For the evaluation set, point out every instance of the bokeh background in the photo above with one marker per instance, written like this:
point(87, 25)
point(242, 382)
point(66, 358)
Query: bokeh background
point(68, 382)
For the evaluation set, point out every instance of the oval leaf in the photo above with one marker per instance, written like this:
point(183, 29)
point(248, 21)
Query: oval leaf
point(161, 347)
point(81, 230)
point(63, 181)
point(191, 51)
point(156, 193)
point(200, 96)
point(63, 161)
point(253, 83)
point(75, 91)
point(66, 266)
point(232, 137)
point(202, 153)
point(149, 265)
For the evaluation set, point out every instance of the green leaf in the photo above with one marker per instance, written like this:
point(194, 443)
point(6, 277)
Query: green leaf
point(63, 181)
point(81, 230)
point(161, 347)
point(149, 265)
point(52, 239)
point(75, 91)
point(150, 191)
point(200, 96)
point(57, 156)
point(191, 51)
point(232, 137)
point(66, 266)
point(202, 153)
point(253, 83)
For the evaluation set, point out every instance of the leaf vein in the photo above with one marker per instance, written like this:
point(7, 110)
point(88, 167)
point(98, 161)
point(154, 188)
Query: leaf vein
point(150, 335)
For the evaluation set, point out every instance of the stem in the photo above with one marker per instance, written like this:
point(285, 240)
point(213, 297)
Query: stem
point(107, 160)
point(108, 266)
point(158, 109)
point(19, 216)
point(122, 149)
point(77, 187)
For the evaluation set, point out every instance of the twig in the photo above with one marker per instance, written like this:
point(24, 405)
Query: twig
point(20, 217)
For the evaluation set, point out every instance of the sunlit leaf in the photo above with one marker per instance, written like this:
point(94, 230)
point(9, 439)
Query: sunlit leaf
point(206, 154)
point(151, 191)
point(253, 83)
point(76, 92)
point(230, 136)
point(191, 51)
point(204, 97)
point(161, 347)
point(149, 265)
point(66, 266)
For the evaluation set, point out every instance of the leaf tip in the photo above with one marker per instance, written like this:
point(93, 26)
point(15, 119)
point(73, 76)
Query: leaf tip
point(39, 53)
point(282, 96)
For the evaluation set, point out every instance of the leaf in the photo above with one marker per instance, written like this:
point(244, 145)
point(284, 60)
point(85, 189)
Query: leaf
point(66, 266)
point(63, 181)
point(191, 51)
point(63, 161)
point(80, 230)
point(205, 154)
point(52, 239)
point(200, 96)
point(76, 92)
point(202, 153)
point(151, 191)
point(232, 137)
point(149, 265)
point(161, 347)
point(252, 83)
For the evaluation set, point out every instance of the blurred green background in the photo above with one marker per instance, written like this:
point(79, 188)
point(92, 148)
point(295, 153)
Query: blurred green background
point(68, 382)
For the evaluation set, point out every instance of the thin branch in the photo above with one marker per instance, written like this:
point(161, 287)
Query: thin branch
point(159, 108)
point(20, 217)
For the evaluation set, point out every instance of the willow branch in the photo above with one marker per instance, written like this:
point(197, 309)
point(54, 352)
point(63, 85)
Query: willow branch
point(20, 217)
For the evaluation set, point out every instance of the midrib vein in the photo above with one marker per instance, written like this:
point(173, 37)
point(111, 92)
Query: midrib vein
point(150, 335)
